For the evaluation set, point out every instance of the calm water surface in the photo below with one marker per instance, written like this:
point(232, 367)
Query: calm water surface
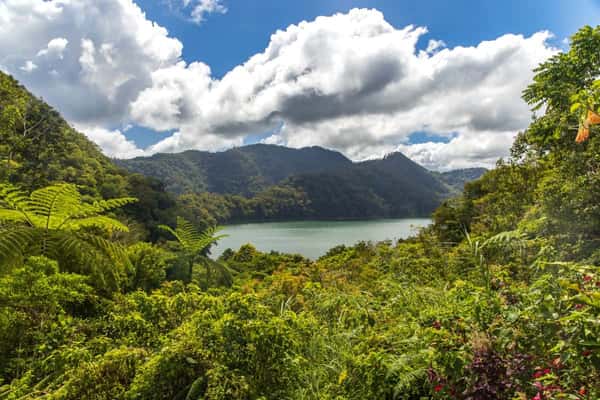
point(312, 239)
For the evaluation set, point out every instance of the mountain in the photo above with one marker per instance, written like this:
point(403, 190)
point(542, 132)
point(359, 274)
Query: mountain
point(259, 182)
point(38, 148)
point(244, 170)
point(274, 182)
point(457, 178)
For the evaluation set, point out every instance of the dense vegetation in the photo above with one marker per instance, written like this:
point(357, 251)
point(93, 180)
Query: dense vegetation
point(268, 182)
point(38, 147)
point(498, 299)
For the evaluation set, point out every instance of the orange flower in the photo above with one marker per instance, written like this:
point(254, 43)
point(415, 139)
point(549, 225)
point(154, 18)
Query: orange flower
point(582, 134)
point(592, 118)
point(584, 129)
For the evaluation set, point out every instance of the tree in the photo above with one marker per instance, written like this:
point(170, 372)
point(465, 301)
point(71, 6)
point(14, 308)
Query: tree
point(57, 223)
point(562, 86)
point(196, 247)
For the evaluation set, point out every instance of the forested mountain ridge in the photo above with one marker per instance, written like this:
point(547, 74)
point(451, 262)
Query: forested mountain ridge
point(250, 169)
point(259, 181)
point(456, 179)
point(243, 170)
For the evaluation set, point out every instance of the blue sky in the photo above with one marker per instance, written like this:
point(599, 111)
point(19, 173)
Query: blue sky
point(146, 76)
point(226, 40)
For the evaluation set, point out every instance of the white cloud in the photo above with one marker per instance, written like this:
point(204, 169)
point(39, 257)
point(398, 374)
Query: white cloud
point(103, 53)
point(201, 8)
point(112, 142)
point(28, 67)
point(55, 48)
point(351, 82)
point(355, 83)
point(434, 45)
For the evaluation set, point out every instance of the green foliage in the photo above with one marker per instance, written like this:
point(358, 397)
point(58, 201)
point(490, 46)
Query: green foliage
point(57, 223)
point(150, 265)
point(196, 248)
point(498, 299)
point(263, 182)
point(562, 81)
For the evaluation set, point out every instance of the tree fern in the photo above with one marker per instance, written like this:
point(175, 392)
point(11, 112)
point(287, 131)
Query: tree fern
point(196, 245)
point(54, 221)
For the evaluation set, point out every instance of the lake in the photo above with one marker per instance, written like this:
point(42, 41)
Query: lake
point(312, 239)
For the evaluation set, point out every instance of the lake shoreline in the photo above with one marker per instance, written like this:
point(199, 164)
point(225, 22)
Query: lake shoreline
point(357, 219)
point(314, 238)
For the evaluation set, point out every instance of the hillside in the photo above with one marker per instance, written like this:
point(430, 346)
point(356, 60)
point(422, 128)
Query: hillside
point(314, 183)
point(457, 178)
point(244, 170)
point(38, 147)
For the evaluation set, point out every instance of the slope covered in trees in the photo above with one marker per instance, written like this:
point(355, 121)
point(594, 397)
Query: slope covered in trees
point(259, 182)
point(498, 299)
point(243, 171)
point(38, 147)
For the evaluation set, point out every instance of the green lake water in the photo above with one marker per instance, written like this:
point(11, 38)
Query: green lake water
point(312, 239)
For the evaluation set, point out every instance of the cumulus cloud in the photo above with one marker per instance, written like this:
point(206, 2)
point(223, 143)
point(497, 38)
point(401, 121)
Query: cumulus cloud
point(113, 142)
point(55, 48)
point(28, 67)
point(103, 53)
point(355, 83)
point(351, 82)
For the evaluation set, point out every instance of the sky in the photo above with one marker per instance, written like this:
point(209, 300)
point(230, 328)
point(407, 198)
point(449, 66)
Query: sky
point(439, 81)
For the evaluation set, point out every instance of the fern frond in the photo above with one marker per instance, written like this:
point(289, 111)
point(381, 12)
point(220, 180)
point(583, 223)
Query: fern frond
point(225, 273)
point(67, 246)
point(51, 221)
point(15, 243)
point(504, 237)
point(14, 198)
point(190, 238)
point(9, 215)
point(99, 221)
point(108, 205)
point(169, 230)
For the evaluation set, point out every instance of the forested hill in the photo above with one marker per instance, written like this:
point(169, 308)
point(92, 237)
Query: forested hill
point(38, 147)
point(275, 182)
point(244, 170)
point(457, 178)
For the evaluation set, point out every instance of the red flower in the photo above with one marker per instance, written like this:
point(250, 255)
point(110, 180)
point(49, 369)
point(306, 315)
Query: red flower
point(582, 391)
point(578, 306)
point(537, 397)
point(586, 353)
point(436, 324)
point(540, 373)
point(587, 278)
point(438, 388)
